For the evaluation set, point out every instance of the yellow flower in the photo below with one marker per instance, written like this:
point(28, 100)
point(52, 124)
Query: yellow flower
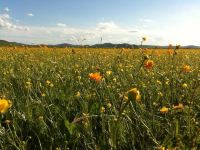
point(186, 68)
point(134, 94)
point(114, 79)
point(43, 94)
point(108, 73)
point(102, 109)
point(78, 94)
point(164, 110)
point(85, 115)
point(51, 85)
point(144, 38)
point(95, 76)
point(48, 82)
point(170, 52)
point(184, 85)
point(149, 64)
point(160, 94)
point(58, 148)
point(7, 121)
point(161, 148)
point(125, 99)
point(4, 105)
point(179, 106)
point(158, 54)
point(40, 118)
point(109, 105)
point(28, 83)
point(159, 82)
point(79, 77)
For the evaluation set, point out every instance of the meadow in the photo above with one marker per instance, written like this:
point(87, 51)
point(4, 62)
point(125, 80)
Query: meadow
point(87, 98)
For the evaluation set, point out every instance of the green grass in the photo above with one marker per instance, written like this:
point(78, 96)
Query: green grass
point(57, 106)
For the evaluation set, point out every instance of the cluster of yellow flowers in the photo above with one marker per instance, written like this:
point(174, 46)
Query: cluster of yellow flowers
point(134, 94)
point(49, 83)
point(175, 107)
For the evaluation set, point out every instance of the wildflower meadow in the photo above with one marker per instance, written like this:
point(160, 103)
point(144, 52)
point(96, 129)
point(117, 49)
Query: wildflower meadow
point(94, 98)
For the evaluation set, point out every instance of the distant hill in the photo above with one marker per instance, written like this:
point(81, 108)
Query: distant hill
point(64, 45)
point(123, 45)
point(104, 45)
point(191, 46)
point(6, 43)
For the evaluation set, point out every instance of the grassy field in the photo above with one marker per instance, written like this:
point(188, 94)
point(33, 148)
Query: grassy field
point(64, 98)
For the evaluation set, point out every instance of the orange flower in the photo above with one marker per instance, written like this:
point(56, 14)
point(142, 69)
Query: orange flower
point(186, 68)
point(95, 76)
point(149, 64)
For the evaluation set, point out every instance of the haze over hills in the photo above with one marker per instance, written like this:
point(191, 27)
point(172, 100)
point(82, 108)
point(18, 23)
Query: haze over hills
point(103, 45)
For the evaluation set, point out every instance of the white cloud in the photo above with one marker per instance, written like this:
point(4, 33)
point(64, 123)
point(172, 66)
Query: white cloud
point(106, 26)
point(6, 9)
point(133, 31)
point(61, 24)
point(30, 14)
point(109, 31)
point(6, 23)
point(146, 20)
point(185, 34)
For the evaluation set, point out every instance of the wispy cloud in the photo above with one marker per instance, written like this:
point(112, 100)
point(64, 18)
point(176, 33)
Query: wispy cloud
point(133, 31)
point(61, 24)
point(30, 14)
point(146, 20)
point(106, 26)
point(6, 9)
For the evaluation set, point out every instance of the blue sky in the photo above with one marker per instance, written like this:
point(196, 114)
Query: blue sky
point(86, 21)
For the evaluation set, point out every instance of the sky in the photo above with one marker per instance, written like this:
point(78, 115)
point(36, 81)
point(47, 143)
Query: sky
point(163, 22)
